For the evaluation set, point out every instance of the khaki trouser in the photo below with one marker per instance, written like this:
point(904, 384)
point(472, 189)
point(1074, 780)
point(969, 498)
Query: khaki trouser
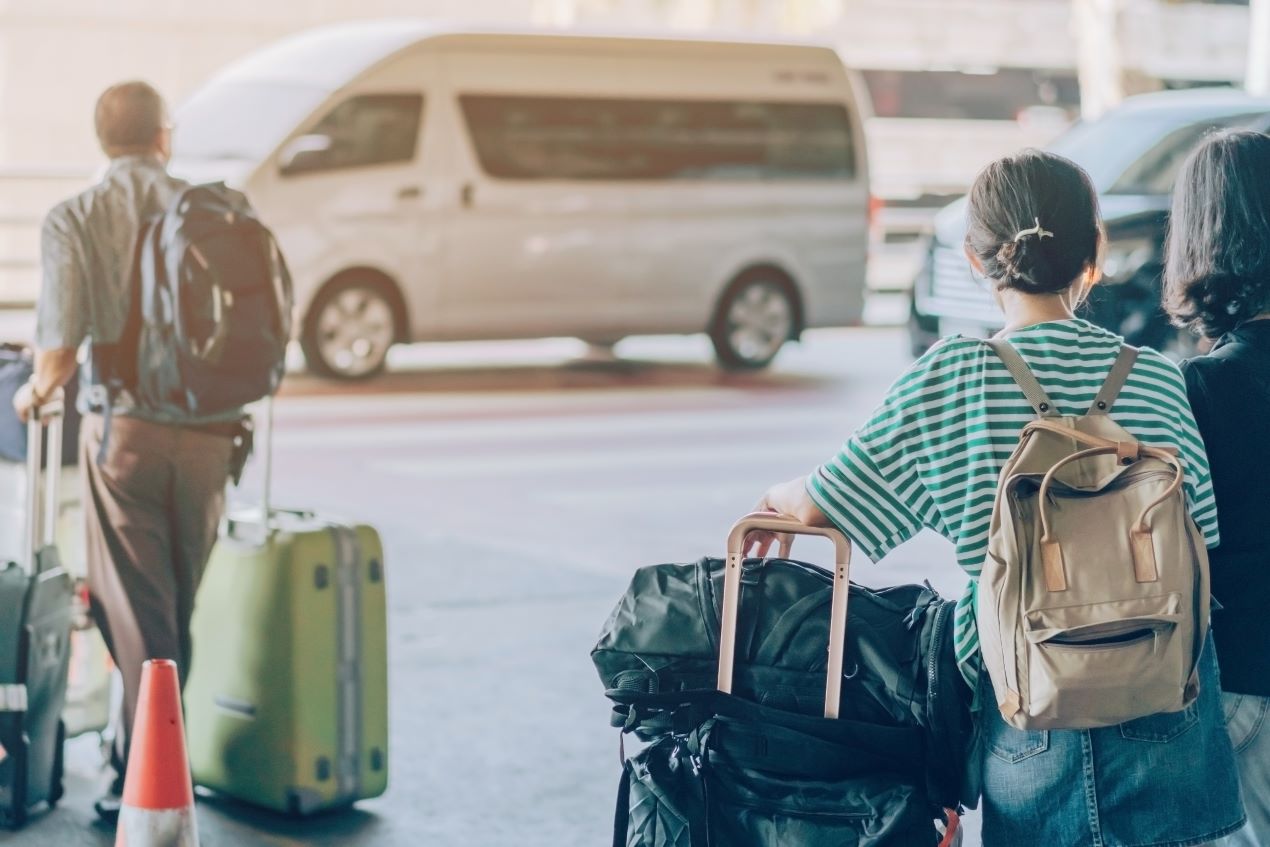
point(152, 507)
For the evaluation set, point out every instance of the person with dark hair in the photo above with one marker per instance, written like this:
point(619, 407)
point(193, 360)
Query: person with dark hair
point(154, 498)
point(1217, 280)
point(929, 457)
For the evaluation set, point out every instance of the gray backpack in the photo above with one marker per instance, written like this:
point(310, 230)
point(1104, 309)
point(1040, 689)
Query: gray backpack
point(1094, 598)
point(209, 316)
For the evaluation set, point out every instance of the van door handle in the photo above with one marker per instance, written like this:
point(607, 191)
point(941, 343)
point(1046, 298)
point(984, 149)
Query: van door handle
point(467, 194)
point(410, 192)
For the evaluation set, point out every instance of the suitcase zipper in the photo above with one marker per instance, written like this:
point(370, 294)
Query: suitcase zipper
point(946, 608)
point(932, 660)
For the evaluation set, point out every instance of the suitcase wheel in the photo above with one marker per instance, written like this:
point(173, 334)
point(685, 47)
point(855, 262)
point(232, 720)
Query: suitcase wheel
point(13, 819)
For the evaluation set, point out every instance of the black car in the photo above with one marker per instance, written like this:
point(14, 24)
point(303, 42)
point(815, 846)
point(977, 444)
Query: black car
point(1133, 155)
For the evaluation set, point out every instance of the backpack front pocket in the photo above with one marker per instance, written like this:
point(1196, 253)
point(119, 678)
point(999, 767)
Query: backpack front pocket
point(1080, 656)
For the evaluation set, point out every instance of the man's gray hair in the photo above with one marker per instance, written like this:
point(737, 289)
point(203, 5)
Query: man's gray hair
point(129, 117)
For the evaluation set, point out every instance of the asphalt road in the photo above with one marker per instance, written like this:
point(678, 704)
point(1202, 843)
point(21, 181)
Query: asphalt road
point(516, 488)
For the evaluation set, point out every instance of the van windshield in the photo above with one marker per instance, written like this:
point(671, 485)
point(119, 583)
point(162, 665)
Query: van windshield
point(241, 119)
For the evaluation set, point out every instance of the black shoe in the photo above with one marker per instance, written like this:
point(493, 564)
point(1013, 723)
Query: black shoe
point(108, 805)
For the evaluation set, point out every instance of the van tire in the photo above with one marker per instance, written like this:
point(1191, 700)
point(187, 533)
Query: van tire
point(360, 355)
point(758, 312)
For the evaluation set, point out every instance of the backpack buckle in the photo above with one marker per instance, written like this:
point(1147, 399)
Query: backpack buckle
point(1127, 452)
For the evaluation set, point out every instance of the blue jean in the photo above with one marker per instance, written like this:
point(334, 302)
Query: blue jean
point(1248, 722)
point(1166, 780)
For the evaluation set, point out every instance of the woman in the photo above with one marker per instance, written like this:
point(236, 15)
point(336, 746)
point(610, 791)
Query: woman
point(929, 457)
point(1218, 281)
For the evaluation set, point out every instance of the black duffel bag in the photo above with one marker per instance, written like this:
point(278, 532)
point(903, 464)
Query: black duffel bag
point(744, 774)
point(661, 642)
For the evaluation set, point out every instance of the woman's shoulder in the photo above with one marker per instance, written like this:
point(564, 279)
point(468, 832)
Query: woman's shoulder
point(953, 348)
point(948, 354)
point(1154, 368)
point(949, 363)
point(1154, 360)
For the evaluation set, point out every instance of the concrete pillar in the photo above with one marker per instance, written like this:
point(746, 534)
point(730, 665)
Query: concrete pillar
point(1098, 55)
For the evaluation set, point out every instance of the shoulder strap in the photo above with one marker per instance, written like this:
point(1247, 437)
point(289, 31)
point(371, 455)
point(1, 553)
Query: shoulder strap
point(1024, 377)
point(1115, 381)
point(116, 364)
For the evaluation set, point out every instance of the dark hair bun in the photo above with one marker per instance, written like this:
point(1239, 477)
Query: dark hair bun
point(1033, 222)
point(1025, 266)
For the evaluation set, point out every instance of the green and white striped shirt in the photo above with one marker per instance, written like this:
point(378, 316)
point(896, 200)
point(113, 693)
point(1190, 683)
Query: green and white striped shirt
point(930, 455)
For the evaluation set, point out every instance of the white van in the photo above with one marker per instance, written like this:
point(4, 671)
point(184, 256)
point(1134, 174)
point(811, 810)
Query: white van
point(436, 185)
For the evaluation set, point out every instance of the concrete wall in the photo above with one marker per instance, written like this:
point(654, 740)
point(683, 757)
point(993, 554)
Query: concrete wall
point(57, 55)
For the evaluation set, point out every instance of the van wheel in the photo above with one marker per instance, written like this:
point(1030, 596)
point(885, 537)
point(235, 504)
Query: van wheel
point(756, 316)
point(350, 328)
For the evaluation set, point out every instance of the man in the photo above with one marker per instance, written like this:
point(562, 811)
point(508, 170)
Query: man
point(153, 500)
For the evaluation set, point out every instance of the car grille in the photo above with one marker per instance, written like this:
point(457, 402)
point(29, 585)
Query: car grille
point(955, 293)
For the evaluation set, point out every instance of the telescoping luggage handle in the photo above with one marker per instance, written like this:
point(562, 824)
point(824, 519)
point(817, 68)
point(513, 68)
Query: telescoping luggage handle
point(41, 519)
point(268, 511)
point(771, 522)
point(264, 440)
point(266, 484)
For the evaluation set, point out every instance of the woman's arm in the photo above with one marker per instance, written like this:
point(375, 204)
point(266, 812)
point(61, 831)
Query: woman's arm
point(871, 490)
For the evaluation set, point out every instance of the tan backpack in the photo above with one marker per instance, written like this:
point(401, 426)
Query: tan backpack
point(1093, 601)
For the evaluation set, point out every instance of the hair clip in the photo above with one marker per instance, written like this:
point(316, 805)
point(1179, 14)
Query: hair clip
point(1036, 230)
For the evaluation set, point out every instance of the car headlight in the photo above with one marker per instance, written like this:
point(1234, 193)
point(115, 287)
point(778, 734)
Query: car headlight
point(1125, 258)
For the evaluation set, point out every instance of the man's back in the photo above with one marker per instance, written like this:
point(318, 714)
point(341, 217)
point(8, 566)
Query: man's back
point(154, 490)
point(87, 247)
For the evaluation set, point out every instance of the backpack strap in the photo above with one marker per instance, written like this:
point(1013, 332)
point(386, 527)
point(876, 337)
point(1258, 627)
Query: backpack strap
point(1024, 377)
point(1115, 381)
point(622, 814)
point(116, 363)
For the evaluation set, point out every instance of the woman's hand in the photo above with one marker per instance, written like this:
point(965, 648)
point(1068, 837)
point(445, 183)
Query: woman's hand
point(792, 500)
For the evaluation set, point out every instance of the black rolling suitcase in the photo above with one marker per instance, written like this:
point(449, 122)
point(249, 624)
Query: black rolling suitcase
point(35, 627)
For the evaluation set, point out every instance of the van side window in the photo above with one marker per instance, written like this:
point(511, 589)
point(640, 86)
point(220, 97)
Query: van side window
point(999, 96)
point(367, 129)
point(613, 139)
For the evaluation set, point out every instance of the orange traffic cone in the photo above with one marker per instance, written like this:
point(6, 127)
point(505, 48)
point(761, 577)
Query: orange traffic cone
point(158, 798)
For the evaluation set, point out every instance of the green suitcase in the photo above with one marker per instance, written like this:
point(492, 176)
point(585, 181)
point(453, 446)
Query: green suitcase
point(286, 706)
